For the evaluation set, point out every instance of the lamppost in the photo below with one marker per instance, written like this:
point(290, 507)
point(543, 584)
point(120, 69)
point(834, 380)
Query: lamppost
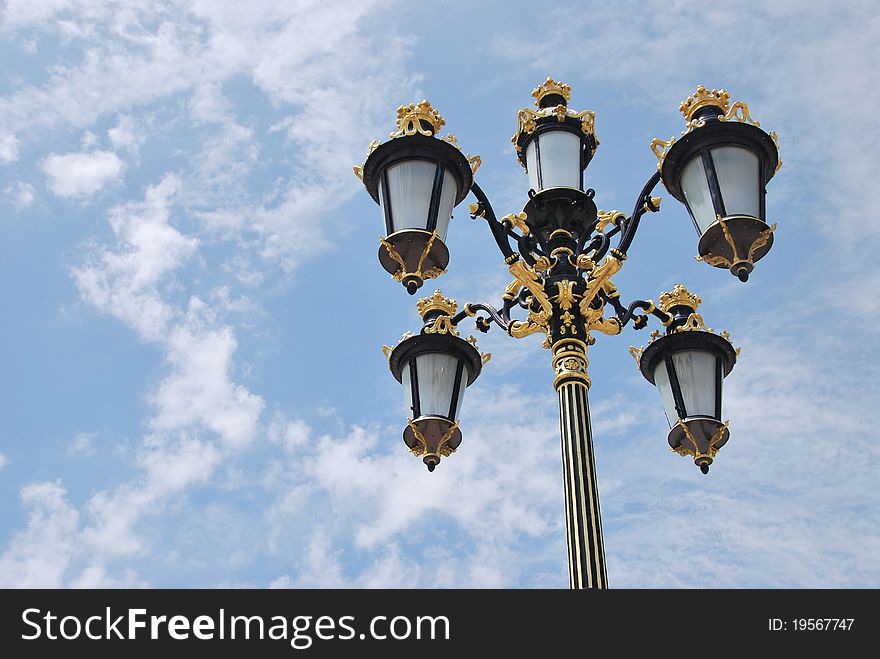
point(558, 250)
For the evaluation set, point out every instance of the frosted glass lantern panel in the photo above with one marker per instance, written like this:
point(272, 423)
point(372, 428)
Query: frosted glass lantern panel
point(661, 379)
point(737, 171)
point(409, 185)
point(560, 160)
point(696, 193)
point(696, 376)
point(447, 201)
point(406, 380)
point(436, 376)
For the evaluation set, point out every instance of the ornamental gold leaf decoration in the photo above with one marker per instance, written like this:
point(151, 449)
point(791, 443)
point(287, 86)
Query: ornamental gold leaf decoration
point(442, 325)
point(713, 260)
point(452, 139)
point(474, 162)
point(533, 282)
point(517, 221)
point(762, 239)
point(775, 139)
point(739, 111)
point(637, 355)
point(608, 217)
point(661, 148)
point(410, 118)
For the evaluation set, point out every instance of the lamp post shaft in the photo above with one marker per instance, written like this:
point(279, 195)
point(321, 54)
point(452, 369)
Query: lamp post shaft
point(586, 551)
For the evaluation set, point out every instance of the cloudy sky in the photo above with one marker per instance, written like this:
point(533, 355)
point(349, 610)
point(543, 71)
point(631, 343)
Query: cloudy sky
point(193, 392)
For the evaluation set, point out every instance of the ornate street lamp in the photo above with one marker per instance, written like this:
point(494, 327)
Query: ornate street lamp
point(719, 169)
point(558, 251)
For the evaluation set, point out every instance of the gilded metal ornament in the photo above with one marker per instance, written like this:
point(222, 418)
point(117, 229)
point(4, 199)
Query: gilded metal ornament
point(704, 97)
point(410, 118)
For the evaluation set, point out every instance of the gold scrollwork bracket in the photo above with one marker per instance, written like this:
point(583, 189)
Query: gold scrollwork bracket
point(739, 111)
point(517, 221)
point(442, 325)
point(608, 217)
point(359, 169)
point(474, 162)
point(532, 281)
point(637, 355)
point(660, 148)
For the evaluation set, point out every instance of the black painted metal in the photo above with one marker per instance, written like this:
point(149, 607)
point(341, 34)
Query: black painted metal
point(675, 385)
point(418, 147)
point(717, 133)
point(456, 390)
point(414, 383)
point(386, 204)
point(712, 180)
point(436, 192)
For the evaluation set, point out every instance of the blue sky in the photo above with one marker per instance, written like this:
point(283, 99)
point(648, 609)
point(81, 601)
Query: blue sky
point(193, 392)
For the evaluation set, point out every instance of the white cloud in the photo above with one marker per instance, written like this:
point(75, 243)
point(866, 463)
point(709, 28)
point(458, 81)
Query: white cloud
point(39, 555)
point(8, 148)
point(82, 445)
point(22, 195)
point(126, 135)
point(199, 392)
point(126, 281)
point(81, 174)
point(4, 461)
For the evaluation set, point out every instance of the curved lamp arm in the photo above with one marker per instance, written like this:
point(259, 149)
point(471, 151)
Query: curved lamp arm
point(643, 205)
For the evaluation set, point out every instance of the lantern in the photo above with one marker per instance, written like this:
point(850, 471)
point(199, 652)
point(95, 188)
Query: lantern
point(435, 367)
point(417, 179)
point(719, 170)
point(554, 144)
point(688, 365)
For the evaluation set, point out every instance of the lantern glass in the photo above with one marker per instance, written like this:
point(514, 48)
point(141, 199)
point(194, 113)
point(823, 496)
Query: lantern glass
point(696, 374)
point(447, 201)
point(737, 171)
point(695, 186)
point(435, 379)
point(555, 155)
point(411, 187)
point(661, 379)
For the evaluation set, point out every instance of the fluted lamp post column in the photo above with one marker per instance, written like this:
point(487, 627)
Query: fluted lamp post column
point(559, 252)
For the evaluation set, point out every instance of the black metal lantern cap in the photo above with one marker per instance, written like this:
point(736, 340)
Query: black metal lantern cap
point(418, 147)
point(717, 133)
point(569, 123)
point(686, 340)
point(446, 344)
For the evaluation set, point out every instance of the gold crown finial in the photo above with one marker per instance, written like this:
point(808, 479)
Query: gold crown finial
point(551, 86)
point(702, 98)
point(679, 296)
point(410, 118)
point(436, 303)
